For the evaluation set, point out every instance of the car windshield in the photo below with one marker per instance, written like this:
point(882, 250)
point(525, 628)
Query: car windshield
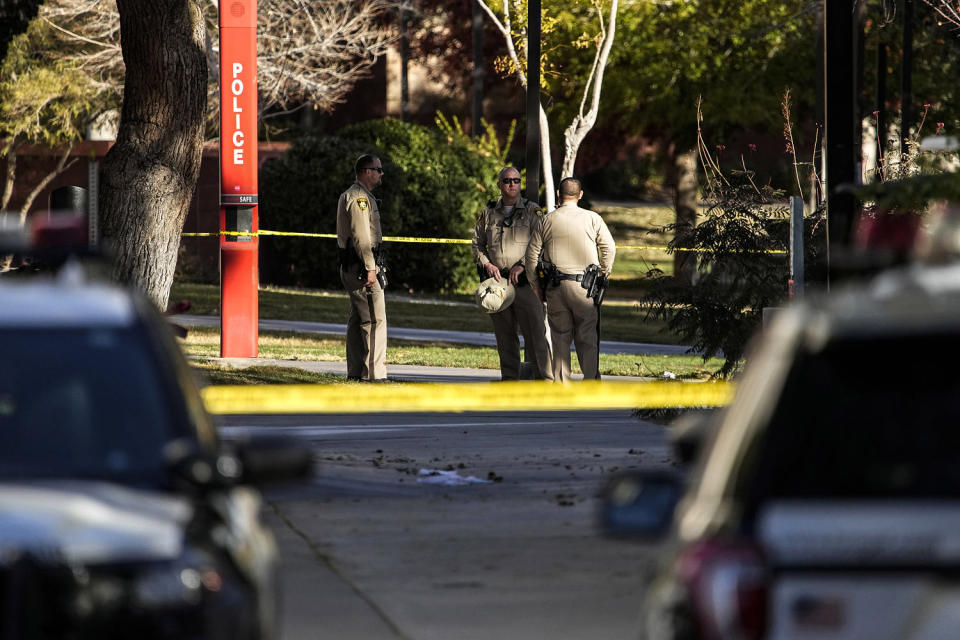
point(80, 402)
point(870, 418)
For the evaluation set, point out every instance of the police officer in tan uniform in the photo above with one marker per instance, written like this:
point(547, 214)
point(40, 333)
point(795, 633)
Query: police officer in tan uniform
point(359, 238)
point(570, 239)
point(499, 243)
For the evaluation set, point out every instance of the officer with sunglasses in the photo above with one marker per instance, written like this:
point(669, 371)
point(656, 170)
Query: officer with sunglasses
point(358, 240)
point(499, 243)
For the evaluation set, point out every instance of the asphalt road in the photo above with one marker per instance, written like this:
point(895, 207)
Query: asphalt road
point(372, 550)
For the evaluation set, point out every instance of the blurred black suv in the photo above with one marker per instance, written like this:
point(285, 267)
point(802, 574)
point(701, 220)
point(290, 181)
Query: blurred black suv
point(826, 501)
point(121, 513)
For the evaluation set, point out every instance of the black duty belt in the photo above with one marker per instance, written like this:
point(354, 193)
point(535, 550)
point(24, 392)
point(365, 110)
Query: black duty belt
point(570, 276)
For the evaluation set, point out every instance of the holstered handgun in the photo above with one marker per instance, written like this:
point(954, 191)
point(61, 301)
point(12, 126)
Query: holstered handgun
point(547, 275)
point(380, 260)
point(541, 276)
point(595, 282)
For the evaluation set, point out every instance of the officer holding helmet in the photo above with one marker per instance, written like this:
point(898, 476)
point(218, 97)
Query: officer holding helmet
point(499, 242)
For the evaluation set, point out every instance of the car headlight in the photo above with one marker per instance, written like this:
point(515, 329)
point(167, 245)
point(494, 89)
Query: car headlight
point(176, 584)
point(167, 587)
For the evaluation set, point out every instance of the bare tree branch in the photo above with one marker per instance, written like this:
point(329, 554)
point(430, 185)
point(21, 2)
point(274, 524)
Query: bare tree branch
point(547, 160)
point(949, 10)
point(583, 123)
point(307, 52)
point(62, 166)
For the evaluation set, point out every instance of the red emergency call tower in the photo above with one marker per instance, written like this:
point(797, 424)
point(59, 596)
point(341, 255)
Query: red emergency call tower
point(239, 273)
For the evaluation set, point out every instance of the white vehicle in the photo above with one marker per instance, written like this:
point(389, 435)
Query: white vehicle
point(826, 504)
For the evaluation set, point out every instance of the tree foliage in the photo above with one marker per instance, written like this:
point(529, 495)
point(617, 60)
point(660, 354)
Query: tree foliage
point(738, 55)
point(737, 275)
point(510, 19)
point(42, 100)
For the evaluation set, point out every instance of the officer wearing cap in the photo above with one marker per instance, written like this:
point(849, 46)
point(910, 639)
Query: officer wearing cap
point(570, 239)
point(358, 240)
point(499, 242)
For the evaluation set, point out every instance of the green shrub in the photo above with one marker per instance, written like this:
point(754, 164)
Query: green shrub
point(434, 185)
point(737, 276)
point(299, 193)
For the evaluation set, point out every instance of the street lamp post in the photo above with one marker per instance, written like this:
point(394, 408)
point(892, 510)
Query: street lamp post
point(533, 101)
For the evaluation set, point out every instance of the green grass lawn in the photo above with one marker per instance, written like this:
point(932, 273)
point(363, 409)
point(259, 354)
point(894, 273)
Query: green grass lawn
point(213, 374)
point(638, 226)
point(203, 343)
point(622, 320)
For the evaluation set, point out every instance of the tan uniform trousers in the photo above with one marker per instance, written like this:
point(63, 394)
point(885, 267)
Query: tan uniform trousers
point(573, 316)
point(526, 312)
point(366, 329)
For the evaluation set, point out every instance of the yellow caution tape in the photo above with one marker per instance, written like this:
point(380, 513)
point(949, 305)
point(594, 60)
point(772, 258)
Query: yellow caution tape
point(501, 396)
point(247, 234)
point(264, 232)
point(621, 247)
point(641, 247)
point(437, 240)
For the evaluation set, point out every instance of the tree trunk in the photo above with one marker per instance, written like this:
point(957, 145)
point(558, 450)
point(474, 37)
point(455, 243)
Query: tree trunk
point(150, 174)
point(685, 204)
point(11, 175)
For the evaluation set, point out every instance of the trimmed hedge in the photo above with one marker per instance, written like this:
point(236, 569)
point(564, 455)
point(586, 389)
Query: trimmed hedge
point(433, 186)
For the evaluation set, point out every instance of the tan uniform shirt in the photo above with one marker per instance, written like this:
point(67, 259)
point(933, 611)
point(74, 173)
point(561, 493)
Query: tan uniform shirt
point(358, 223)
point(502, 238)
point(571, 239)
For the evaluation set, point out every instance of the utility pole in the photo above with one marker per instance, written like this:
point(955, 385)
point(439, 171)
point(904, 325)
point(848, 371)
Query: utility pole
point(881, 104)
point(533, 101)
point(840, 114)
point(404, 64)
point(477, 112)
point(906, 78)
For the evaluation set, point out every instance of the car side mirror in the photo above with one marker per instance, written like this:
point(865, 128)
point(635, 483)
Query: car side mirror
point(640, 503)
point(690, 432)
point(197, 469)
point(268, 460)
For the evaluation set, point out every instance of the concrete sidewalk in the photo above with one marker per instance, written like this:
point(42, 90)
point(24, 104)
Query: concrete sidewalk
point(432, 335)
point(399, 372)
